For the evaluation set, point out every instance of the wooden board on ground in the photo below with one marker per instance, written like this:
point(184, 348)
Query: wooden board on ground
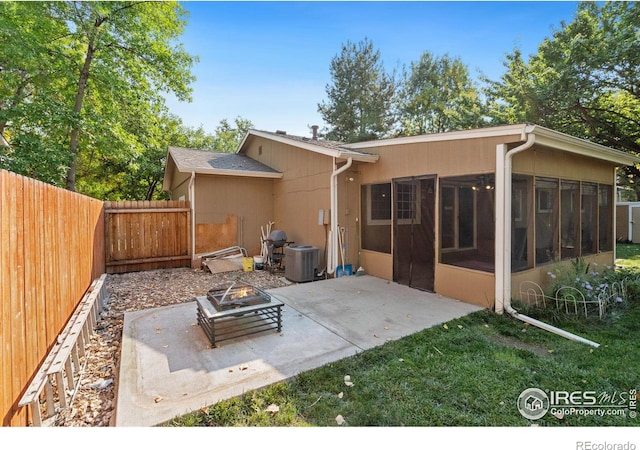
point(223, 265)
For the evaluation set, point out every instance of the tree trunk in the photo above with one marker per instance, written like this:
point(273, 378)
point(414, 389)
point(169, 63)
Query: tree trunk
point(77, 108)
point(151, 189)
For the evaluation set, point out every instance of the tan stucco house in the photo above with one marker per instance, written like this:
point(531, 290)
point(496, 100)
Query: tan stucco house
point(465, 214)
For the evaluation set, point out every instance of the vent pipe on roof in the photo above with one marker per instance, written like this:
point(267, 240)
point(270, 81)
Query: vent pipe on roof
point(280, 132)
point(314, 128)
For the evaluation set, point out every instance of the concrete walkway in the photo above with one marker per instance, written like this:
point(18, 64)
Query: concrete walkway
point(168, 367)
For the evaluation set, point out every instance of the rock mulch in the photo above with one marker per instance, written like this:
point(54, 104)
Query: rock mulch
point(93, 402)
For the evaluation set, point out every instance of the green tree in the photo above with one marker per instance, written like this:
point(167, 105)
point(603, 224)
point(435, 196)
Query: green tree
point(513, 98)
point(584, 80)
point(31, 88)
point(139, 177)
point(360, 98)
point(228, 137)
point(79, 94)
point(438, 95)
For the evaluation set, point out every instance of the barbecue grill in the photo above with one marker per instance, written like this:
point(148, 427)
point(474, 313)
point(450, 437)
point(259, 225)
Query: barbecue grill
point(276, 242)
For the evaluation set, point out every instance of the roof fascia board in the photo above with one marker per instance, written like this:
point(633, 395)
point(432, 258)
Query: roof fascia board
point(341, 153)
point(235, 173)
point(508, 130)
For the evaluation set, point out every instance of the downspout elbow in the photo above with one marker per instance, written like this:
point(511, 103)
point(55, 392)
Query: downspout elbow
point(545, 326)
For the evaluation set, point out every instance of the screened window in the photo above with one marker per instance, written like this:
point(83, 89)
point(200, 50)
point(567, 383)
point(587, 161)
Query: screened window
point(569, 219)
point(467, 222)
point(546, 220)
point(589, 213)
point(380, 201)
point(605, 218)
point(448, 217)
point(458, 217)
point(521, 222)
point(376, 208)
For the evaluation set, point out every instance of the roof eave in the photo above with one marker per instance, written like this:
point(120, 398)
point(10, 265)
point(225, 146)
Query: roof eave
point(507, 130)
point(362, 157)
point(564, 142)
point(341, 153)
point(234, 173)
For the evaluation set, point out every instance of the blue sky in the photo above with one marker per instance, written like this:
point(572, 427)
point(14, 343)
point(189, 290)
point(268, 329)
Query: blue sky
point(269, 61)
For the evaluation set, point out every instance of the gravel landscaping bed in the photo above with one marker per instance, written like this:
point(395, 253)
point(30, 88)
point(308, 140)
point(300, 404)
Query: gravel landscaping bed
point(94, 400)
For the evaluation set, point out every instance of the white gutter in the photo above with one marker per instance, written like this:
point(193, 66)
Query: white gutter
point(192, 198)
point(332, 252)
point(503, 189)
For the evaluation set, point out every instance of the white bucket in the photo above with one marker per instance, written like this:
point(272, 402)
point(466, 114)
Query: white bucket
point(258, 262)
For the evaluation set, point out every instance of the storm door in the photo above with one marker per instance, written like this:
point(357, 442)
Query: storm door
point(413, 231)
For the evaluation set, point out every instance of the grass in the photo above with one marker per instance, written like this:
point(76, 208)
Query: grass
point(628, 255)
point(467, 372)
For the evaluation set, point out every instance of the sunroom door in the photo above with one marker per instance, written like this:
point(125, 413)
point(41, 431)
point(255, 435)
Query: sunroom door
point(413, 231)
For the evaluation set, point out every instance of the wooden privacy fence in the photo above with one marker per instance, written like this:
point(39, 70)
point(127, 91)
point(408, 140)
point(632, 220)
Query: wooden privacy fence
point(147, 235)
point(52, 249)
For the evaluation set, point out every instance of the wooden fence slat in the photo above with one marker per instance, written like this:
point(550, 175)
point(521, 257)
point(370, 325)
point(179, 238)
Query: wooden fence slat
point(40, 263)
point(5, 292)
point(18, 313)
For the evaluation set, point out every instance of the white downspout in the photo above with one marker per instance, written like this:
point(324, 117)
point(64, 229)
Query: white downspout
point(332, 252)
point(192, 198)
point(503, 187)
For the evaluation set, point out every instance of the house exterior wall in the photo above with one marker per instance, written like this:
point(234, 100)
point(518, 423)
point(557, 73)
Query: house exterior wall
point(303, 191)
point(249, 199)
point(544, 162)
point(179, 189)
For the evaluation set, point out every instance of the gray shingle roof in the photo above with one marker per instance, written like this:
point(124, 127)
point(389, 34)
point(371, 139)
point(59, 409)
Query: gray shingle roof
point(188, 159)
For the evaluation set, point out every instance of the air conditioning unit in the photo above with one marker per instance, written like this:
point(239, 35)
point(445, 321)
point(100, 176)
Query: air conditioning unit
point(301, 263)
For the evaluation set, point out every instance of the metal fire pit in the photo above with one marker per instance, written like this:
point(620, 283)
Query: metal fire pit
point(237, 297)
point(237, 311)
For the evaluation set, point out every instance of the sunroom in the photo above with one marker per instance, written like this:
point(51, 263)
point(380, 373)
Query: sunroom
point(469, 214)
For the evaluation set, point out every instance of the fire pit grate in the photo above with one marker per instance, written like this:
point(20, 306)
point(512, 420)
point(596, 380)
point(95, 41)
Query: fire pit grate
point(236, 311)
point(237, 297)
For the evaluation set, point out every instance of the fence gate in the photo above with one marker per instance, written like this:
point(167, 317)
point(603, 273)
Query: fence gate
point(147, 235)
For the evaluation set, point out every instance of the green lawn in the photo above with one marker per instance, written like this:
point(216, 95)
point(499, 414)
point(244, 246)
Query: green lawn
point(467, 372)
point(628, 255)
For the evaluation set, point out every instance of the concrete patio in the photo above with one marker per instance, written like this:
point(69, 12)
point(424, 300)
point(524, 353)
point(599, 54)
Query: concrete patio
point(168, 367)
